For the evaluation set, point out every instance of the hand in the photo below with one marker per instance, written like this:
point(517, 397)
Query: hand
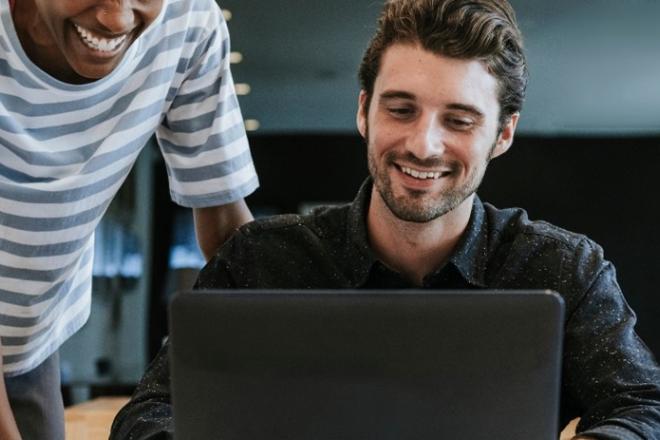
point(568, 432)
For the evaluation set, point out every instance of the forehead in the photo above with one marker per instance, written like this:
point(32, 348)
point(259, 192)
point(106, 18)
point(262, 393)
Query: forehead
point(436, 79)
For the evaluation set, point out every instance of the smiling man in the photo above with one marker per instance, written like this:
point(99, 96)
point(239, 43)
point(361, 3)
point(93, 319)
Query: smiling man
point(84, 84)
point(429, 143)
point(443, 82)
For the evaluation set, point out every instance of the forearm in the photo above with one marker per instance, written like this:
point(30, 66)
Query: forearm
point(214, 225)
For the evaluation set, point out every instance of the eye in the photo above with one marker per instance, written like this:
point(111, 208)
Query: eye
point(459, 124)
point(400, 112)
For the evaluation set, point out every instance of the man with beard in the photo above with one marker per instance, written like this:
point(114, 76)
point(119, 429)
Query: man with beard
point(443, 83)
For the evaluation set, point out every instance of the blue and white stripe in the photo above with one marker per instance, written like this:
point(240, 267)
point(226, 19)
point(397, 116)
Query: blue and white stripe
point(66, 149)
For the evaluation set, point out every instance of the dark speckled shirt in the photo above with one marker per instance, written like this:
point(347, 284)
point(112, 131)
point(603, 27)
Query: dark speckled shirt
point(610, 378)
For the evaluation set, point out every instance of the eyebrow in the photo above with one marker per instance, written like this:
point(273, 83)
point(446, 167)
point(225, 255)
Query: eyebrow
point(399, 94)
point(466, 108)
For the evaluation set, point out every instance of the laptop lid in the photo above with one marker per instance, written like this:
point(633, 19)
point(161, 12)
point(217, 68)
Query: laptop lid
point(366, 364)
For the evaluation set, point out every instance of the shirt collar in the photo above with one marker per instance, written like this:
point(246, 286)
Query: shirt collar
point(469, 257)
point(360, 257)
point(471, 253)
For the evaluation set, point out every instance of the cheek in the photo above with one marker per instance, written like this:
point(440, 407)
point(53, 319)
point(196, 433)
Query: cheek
point(383, 141)
point(57, 12)
point(152, 12)
point(479, 148)
point(51, 30)
point(384, 135)
point(477, 159)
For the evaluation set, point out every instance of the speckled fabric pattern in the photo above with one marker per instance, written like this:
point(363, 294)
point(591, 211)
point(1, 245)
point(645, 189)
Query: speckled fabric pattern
point(610, 379)
point(148, 415)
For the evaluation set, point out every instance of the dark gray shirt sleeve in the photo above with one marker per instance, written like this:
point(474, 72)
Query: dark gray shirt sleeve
point(609, 376)
point(148, 415)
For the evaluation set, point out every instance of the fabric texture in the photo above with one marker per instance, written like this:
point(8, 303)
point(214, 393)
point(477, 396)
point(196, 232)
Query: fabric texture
point(610, 379)
point(36, 401)
point(66, 149)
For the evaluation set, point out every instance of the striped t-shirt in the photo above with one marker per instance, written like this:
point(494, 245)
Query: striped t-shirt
point(66, 149)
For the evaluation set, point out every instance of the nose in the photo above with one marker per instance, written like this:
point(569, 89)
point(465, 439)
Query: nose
point(428, 138)
point(117, 16)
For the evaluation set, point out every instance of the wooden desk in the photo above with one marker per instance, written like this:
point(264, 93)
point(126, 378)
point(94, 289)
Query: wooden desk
point(92, 420)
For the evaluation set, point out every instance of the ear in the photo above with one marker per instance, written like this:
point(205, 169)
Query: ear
point(505, 139)
point(361, 117)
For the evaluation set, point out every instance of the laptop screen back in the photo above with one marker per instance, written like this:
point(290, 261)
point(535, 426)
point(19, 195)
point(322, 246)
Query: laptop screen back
point(366, 364)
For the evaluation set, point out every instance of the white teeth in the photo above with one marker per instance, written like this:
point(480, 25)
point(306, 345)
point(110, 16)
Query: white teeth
point(100, 44)
point(421, 174)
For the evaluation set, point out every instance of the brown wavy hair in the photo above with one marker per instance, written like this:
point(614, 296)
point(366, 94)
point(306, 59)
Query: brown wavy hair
point(466, 29)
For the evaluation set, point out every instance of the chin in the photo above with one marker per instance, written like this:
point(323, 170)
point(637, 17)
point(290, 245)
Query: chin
point(94, 74)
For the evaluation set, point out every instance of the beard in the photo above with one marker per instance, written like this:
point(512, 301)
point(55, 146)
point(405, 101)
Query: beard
point(420, 206)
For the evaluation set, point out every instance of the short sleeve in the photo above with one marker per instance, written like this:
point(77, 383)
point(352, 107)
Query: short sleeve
point(202, 136)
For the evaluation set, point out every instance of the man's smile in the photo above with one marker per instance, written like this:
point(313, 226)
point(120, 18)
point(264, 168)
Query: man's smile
point(99, 43)
point(423, 175)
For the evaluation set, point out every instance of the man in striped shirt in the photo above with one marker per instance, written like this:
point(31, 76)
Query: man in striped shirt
point(84, 84)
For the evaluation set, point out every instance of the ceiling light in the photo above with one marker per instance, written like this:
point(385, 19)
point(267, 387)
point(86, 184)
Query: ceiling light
point(252, 125)
point(242, 89)
point(227, 14)
point(235, 57)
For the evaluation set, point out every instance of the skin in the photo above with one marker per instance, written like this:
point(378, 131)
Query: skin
point(214, 225)
point(47, 32)
point(434, 114)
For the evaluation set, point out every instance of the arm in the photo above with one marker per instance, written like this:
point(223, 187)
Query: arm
point(610, 376)
point(214, 225)
point(202, 137)
point(148, 415)
point(8, 428)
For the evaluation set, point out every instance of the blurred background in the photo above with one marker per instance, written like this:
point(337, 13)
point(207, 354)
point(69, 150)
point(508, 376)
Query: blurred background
point(585, 158)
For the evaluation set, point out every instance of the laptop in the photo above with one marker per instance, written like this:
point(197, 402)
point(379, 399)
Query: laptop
point(360, 364)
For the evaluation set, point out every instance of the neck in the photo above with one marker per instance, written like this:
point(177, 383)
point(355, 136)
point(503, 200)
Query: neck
point(415, 249)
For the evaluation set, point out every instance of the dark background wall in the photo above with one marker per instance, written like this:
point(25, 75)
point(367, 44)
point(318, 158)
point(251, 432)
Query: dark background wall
point(605, 188)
